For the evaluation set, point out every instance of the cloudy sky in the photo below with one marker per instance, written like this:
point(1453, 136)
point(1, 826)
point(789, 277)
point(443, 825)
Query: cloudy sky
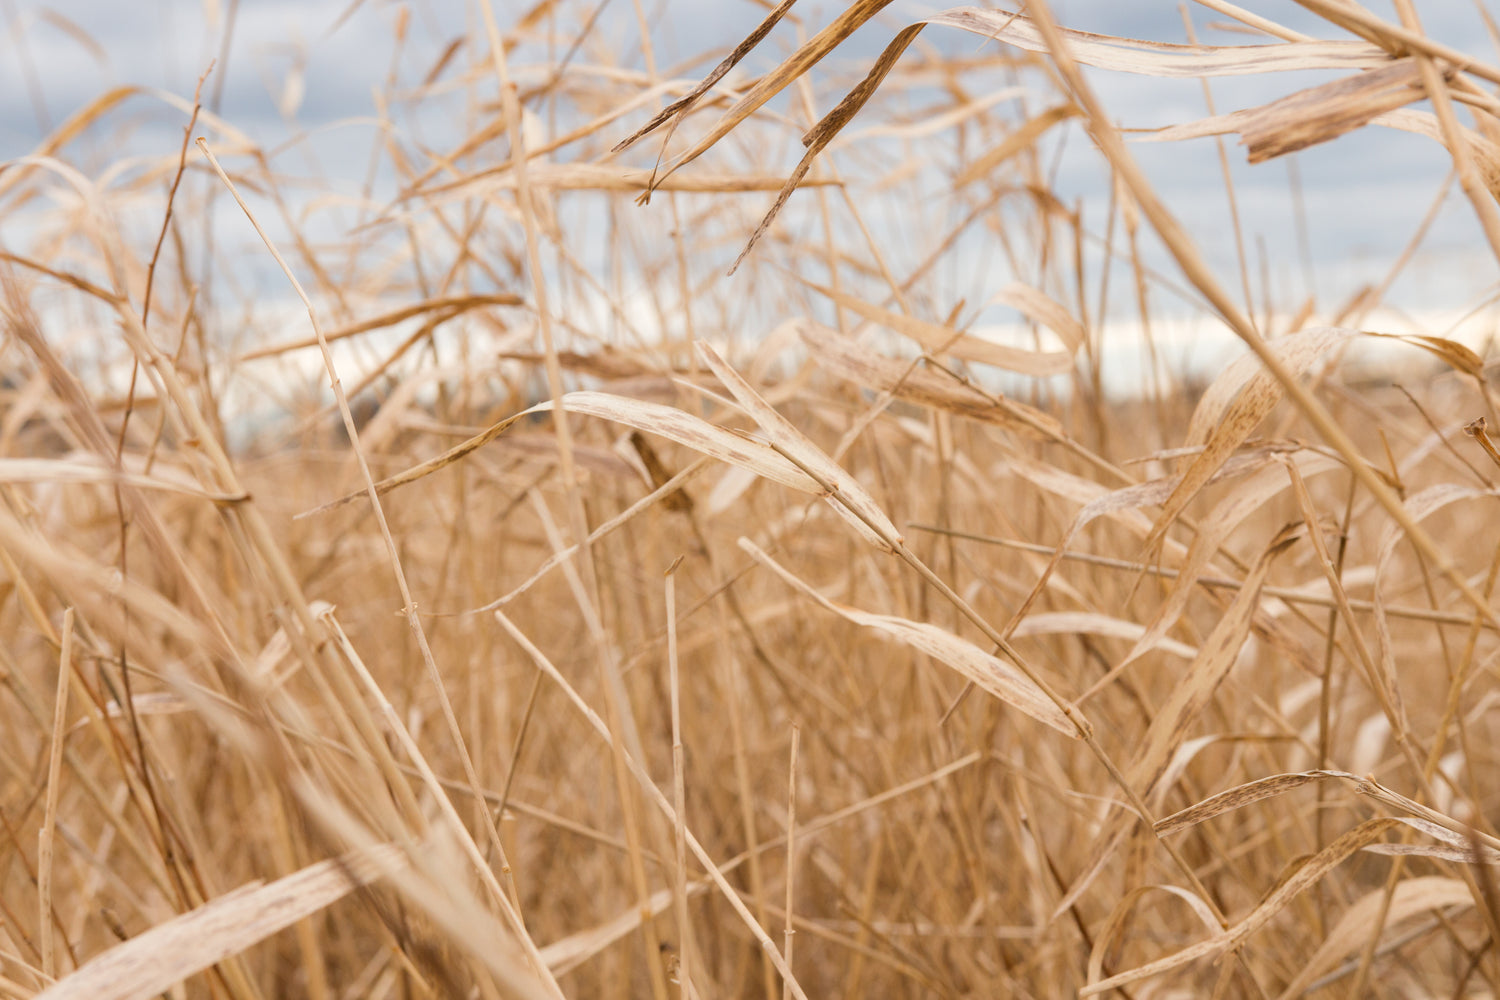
point(1364, 194)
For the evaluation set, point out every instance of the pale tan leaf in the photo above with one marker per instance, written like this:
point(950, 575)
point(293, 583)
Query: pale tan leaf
point(989, 673)
point(155, 703)
point(1462, 855)
point(1420, 507)
point(654, 418)
point(938, 339)
point(845, 358)
point(1041, 308)
point(1184, 756)
point(1463, 847)
point(1193, 691)
point(610, 177)
point(1369, 914)
point(1246, 499)
point(152, 962)
point(862, 512)
point(88, 470)
point(1106, 936)
point(1122, 504)
point(569, 953)
point(1318, 866)
point(1130, 55)
point(975, 107)
point(1089, 623)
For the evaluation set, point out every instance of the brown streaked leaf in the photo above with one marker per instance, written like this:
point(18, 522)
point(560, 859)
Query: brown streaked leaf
point(987, 672)
point(1485, 152)
point(1323, 113)
point(863, 514)
point(821, 134)
point(678, 109)
point(798, 63)
point(1462, 855)
point(939, 339)
point(1237, 798)
point(1318, 866)
point(153, 962)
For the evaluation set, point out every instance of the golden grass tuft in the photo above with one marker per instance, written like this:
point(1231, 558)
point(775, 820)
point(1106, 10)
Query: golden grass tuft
point(550, 614)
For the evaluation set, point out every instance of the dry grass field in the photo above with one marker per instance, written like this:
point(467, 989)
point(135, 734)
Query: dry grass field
point(546, 612)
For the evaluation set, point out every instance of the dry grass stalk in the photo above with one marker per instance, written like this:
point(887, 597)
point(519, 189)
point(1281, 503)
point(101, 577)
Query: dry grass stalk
point(246, 687)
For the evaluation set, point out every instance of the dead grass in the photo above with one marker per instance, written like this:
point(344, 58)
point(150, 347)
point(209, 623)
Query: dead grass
point(612, 624)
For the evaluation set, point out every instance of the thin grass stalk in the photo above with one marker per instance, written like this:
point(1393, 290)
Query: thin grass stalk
point(791, 854)
point(616, 704)
point(45, 915)
point(409, 606)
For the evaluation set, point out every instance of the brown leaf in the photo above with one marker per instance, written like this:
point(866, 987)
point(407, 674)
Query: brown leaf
point(1454, 354)
point(679, 108)
point(798, 63)
point(821, 134)
point(1320, 114)
point(447, 307)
